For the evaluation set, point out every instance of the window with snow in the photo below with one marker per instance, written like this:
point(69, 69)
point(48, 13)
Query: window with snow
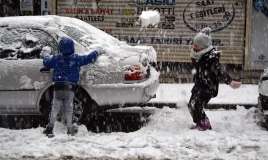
point(24, 43)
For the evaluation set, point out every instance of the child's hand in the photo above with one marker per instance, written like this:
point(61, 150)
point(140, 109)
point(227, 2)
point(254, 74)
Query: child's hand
point(235, 84)
point(100, 50)
point(46, 51)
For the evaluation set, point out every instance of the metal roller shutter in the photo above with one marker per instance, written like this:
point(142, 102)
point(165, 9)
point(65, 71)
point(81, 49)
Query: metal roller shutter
point(180, 20)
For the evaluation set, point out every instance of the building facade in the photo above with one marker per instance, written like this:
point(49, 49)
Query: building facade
point(239, 29)
point(180, 21)
point(9, 8)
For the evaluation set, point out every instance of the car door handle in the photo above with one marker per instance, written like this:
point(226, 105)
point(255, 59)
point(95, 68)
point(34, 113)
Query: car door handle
point(45, 70)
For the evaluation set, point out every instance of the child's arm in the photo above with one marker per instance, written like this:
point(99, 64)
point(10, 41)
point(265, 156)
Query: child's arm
point(91, 57)
point(222, 74)
point(218, 70)
point(86, 59)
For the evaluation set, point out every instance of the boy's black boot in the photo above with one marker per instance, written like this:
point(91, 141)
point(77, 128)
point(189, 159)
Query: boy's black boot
point(72, 130)
point(48, 131)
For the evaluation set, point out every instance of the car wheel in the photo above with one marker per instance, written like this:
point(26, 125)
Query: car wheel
point(105, 121)
point(83, 105)
point(262, 107)
point(45, 106)
point(263, 121)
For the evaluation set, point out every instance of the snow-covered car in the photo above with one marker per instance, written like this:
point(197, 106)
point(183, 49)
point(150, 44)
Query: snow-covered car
point(263, 97)
point(123, 76)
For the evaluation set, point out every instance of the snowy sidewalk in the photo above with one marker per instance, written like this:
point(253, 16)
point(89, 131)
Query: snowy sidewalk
point(177, 94)
point(166, 136)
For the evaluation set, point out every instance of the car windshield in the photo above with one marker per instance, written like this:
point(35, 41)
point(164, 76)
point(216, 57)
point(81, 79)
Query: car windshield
point(86, 34)
point(77, 35)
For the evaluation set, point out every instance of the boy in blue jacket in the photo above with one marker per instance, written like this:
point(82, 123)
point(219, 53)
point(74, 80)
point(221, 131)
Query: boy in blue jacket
point(66, 67)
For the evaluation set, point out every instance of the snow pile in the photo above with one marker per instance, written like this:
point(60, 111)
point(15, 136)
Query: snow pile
point(149, 17)
point(235, 135)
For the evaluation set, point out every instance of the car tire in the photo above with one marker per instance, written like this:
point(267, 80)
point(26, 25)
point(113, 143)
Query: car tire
point(83, 105)
point(262, 106)
point(107, 122)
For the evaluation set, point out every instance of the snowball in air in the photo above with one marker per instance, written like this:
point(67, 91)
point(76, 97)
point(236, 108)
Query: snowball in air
point(149, 18)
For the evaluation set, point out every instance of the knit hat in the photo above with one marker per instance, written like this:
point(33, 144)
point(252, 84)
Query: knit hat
point(203, 38)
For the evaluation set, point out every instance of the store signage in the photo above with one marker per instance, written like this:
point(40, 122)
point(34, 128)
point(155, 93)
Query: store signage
point(208, 13)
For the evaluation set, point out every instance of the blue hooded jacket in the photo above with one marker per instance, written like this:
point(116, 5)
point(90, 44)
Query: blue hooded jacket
point(67, 64)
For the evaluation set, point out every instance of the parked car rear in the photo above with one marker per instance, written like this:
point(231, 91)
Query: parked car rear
point(263, 98)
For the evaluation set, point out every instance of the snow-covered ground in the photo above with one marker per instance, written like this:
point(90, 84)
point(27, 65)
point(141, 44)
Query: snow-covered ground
point(180, 94)
point(235, 136)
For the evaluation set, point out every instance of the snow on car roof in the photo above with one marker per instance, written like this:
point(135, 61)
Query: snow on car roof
point(27, 20)
point(52, 21)
point(95, 37)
